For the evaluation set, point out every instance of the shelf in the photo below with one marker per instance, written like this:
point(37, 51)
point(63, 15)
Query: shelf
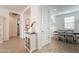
point(26, 48)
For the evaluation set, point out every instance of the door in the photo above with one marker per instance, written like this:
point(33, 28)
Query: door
point(13, 27)
point(44, 26)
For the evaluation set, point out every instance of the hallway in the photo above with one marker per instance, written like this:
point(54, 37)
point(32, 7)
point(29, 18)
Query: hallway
point(14, 45)
point(57, 46)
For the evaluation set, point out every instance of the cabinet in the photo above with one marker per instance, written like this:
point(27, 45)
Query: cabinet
point(31, 42)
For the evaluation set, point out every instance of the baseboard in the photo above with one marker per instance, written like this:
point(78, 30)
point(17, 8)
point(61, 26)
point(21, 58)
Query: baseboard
point(13, 37)
point(6, 40)
point(1, 41)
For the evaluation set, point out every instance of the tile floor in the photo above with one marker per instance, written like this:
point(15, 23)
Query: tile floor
point(57, 46)
point(14, 45)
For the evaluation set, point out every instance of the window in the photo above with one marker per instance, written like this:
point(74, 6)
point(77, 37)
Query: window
point(69, 22)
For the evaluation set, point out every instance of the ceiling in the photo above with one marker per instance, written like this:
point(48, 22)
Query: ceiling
point(63, 8)
point(56, 9)
point(16, 8)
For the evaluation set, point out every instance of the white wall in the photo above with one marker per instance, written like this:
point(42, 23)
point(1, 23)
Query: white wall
point(36, 16)
point(25, 14)
point(60, 20)
point(52, 22)
point(5, 13)
point(21, 26)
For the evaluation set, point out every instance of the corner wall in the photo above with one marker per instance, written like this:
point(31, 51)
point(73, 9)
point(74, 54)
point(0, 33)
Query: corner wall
point(5, 13)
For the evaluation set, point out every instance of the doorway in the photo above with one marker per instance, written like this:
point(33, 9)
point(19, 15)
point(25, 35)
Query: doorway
point(14, 25)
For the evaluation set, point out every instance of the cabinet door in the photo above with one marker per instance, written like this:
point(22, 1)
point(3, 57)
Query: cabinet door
point(33, 42)
point(1, 28)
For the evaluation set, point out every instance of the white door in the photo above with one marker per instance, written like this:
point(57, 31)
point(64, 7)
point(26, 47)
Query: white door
point(44, 26)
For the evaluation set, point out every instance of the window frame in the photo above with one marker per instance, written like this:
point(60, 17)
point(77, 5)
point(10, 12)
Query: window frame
point(66, 22)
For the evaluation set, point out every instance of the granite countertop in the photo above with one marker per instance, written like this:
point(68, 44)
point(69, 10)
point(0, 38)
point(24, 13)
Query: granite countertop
point(31, 33)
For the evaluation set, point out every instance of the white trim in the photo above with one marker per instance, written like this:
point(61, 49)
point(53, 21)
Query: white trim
point(25, 9)
point(66, 12)
point(14, 12)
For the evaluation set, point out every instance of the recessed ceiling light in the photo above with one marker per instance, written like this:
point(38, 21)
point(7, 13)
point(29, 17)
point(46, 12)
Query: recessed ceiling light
point(54, 9)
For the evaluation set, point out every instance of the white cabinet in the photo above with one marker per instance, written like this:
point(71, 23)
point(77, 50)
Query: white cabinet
point(31, 42)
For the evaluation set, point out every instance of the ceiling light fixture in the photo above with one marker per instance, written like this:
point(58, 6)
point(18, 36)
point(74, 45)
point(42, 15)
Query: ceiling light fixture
point(54, 9)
